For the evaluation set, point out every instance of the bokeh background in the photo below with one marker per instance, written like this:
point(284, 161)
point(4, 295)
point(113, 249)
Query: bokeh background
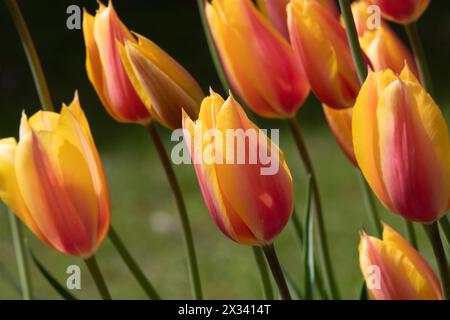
point(144, 213)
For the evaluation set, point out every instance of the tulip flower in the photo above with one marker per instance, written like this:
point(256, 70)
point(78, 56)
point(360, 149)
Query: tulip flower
point(163, 85)
point(394, 270)
point(258, 61)
point(105, 70)
point(320, 43)
point(381, 45)
point(401, 145)
point(401, 11)
point(53, 180)
point(248, 206)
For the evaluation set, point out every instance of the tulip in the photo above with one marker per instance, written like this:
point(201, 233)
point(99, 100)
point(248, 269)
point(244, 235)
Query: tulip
point(320, 43)
point(163, 85)
point(381, 45)
point(258, 61)
point(394, 270)
point(401, 11)
point(105, 70)
point(53, 180)
point(247, 206)
point(401, 145)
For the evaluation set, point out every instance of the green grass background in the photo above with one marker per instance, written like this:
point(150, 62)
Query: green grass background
point(143, 210)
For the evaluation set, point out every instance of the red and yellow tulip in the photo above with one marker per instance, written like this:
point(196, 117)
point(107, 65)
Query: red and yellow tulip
point(394, 270)
point(401, 11)
point(321, 46)
point(258, 61)
point(401, 145)
point(248, 207)
point(163, 85)
point(53, 180)
point(105, 70)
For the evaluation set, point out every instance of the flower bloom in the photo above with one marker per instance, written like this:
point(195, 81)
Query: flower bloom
point(321, 46)
point(401, 11)
point(394, 270)
point(248, 207)
point(104, 67)
point(163, 85)
point(401, 145)
point(258, 61)
point(53, 180)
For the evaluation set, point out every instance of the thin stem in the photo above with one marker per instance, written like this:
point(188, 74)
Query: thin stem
point(264, 273)
point(132, 265)
point(96, 274)
point(21, 258)
point(445, 226)
point(32, 56)
point(411, 234)
point(323, 243)
point(419, 55)
point(188, 240)
point(432, 231)
point(277, 271)
point(371, 207)
point(352, 36)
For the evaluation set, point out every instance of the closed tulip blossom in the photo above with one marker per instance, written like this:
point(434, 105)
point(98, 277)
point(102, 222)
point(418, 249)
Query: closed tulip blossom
point(53, 180)
point(321, 46)
point(102, 34)
point(164, 86)
point(394, 270)
point(249, 207)
point(259, 63)
point(401, 11)
point(401, 145)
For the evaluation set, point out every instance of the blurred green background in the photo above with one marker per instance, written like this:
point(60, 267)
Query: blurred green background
point(144, 212)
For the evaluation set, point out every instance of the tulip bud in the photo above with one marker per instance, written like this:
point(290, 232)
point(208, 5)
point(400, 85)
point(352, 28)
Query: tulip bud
point(394, 270)
point(104, 67)
point(163, 85)
point(248, 206)
point(258, 61)
point(321, 46)
point(401, 145)
point(401, 11)
point(53, 181)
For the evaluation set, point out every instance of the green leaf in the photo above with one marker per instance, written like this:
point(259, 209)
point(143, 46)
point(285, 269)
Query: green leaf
point(308, 253)
point(51, 279)
point(363, 292)
point(445, 227)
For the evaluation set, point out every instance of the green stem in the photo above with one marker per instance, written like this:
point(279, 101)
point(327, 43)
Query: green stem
point(277, 271)
point(445, 226)
point(264, 273)
point(92, 265)
point(212, 47)
point(419, 55)
point(371, 207)
point(188, 240)
point(411, 234)
point(21, 258)
point(32, 56)
point(432, 231)
point(352, 36)
point(132, 265)
point(323, 243)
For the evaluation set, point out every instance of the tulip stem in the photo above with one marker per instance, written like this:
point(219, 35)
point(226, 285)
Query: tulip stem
point(188, 239)
point(419, 55)
point(371, 207)
point(432, 231)
point(96, 274)
point(264, 272)
point(132, 265)
point(352, 36)
point(323, 243)
point(32, 56)
point(21, 258)
point(277, 271)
